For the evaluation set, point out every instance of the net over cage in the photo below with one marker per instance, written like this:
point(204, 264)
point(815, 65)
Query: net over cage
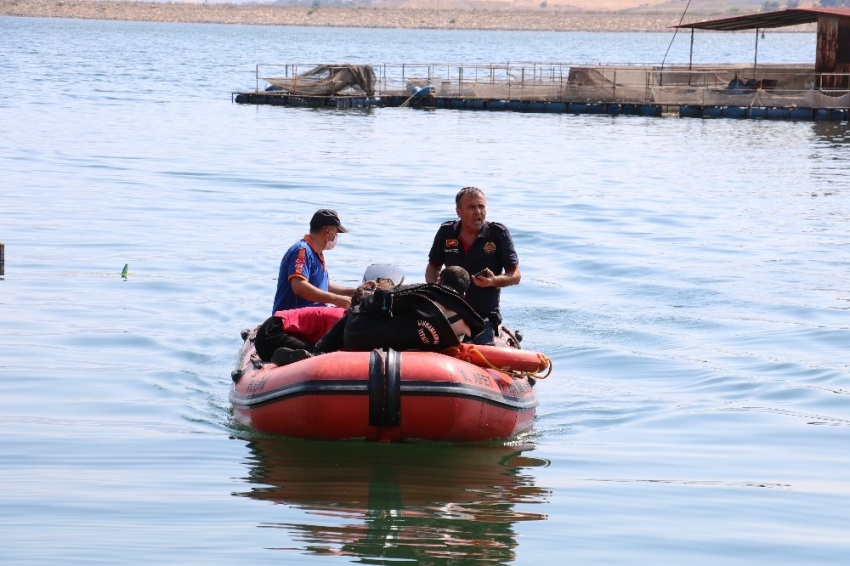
point(328, 80)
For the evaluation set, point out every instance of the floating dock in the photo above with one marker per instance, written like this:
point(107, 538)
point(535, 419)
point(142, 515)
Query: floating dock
point(450, 103)
point(817, 91)
point(773, 92)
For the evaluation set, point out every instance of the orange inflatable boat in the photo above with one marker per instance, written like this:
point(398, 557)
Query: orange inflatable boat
point(464, 394)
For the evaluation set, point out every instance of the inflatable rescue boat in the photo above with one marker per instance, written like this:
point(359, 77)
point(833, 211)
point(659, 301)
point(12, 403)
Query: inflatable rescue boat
point(465, 393)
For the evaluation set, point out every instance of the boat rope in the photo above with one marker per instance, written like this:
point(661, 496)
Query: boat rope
point(417, 92)
point(685, 11)
point(407, 102)
point(475, 356)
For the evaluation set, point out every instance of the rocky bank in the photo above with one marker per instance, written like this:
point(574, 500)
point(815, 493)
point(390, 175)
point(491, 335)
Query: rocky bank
point(333, 16)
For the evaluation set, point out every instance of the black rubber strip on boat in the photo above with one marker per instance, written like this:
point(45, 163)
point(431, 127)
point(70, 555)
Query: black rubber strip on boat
point(385, 388)
point(392, 393)
point(376, 389)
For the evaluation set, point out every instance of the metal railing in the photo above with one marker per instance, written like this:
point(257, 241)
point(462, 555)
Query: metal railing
point(720, 85)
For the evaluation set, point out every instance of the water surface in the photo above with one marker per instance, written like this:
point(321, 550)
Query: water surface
point(688, 278)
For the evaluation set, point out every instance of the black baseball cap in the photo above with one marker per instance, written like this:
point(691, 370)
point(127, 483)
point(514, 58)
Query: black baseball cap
point(326, 217)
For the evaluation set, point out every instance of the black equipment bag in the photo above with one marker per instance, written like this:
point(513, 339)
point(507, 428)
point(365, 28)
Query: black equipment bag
point(408, 318)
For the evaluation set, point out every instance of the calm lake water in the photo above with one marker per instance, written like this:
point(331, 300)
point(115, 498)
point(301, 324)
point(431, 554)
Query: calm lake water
point(689, 279)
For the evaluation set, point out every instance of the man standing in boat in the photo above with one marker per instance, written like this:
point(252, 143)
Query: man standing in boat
point(484, 249)
point(303, 279)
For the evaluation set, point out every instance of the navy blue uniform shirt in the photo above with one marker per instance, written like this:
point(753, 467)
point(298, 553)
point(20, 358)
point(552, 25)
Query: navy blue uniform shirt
point(494, 248)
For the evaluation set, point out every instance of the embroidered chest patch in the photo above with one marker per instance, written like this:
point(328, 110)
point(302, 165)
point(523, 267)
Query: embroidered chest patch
point(489, 247)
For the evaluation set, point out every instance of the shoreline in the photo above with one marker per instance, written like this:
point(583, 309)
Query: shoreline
point(357, 17)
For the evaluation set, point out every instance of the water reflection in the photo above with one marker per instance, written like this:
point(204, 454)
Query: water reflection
point(399, 502)
point(836, 134)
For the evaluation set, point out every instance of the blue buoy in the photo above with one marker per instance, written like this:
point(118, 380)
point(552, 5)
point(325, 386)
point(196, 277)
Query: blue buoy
point(422, 92)
point(596, 108)
point(801, 114)
point(712, 112)
point(516, 105)
point(576, 108)
point(441, 103)
point(734, 112)
point(778, 113)
point(457, 103)
point(629, 109)
point(535, 106)
point(649, 110)
point(758, 112)
point(474, 105)
point(614, 109)
point(838, 114)
point(497, 105)
point(556, 107)
point(690, 111)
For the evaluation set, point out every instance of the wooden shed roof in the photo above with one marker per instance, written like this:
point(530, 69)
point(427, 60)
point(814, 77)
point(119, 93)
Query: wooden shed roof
point(763, 20)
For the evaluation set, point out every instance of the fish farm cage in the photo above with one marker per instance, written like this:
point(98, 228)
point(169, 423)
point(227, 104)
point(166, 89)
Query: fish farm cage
point(793, 91)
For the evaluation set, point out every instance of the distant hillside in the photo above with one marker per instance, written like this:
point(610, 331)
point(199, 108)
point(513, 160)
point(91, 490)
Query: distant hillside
point(677, 6)
point(323, 13)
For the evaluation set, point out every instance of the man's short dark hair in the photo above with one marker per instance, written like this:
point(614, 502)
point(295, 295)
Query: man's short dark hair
point(455, 277)
point(473, 191)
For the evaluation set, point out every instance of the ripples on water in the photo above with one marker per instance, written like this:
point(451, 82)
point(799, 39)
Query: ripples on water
point(688, 278)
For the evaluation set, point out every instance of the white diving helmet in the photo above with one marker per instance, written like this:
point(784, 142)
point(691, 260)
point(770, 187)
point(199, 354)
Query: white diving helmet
point(378, 272)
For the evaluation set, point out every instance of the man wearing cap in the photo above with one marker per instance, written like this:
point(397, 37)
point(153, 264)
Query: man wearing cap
point(485, 249)
point(303, 278)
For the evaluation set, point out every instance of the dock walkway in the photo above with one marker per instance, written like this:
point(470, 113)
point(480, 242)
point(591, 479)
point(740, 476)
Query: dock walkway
point(791, 92)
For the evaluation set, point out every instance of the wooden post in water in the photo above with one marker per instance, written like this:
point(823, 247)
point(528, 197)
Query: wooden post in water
point(2, 259)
